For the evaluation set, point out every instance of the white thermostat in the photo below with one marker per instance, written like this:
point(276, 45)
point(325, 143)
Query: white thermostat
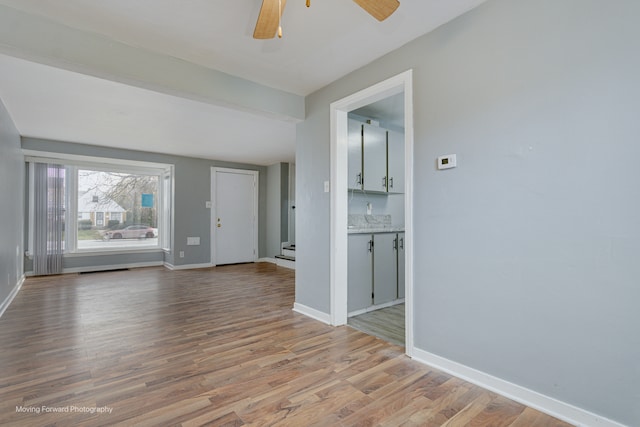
point(447, 162)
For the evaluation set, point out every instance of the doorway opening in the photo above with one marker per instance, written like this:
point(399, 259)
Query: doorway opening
point(339, 112)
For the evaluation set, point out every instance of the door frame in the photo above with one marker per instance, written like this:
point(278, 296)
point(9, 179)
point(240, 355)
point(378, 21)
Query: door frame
point(401, 83)
point(214, 209)
point(291, 236)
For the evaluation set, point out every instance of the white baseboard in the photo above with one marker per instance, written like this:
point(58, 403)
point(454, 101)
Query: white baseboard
point(312, 312)
point(7, 302)
point(533, 399)
point(375, 307)
point(286, 263)
point(279, 262)
point(93, 268)
point(187, 266)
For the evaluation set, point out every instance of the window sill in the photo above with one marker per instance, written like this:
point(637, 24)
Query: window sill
point(114, 251)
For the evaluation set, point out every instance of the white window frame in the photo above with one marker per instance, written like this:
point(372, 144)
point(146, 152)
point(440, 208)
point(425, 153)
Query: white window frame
point(164, 172)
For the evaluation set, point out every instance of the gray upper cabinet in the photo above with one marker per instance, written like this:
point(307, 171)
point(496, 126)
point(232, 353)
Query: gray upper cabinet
point(376, 159)
point(374, 156)
point(395, 141)
point(355, 155)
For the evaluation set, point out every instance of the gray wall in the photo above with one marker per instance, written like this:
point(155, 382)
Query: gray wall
point(526, 253)
point(192, 190)
point(11, 205)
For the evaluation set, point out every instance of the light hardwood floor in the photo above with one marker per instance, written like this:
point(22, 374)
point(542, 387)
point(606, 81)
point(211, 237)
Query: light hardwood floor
point(219, 347)
point(386, 323)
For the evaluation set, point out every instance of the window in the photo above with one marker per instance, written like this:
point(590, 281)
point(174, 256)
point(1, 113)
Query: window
point(114, 207)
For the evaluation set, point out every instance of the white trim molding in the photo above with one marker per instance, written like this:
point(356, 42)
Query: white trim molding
point(548, 405)
point(312, 313)
point(338, 116)
point(376, 307)
point(279, 262)
point(97, 268)
point(188, 266)
point(9, 299)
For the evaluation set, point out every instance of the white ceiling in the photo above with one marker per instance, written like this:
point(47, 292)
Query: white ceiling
point(320, 45)
point(47, 102)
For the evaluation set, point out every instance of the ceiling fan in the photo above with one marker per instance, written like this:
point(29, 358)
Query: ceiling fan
point(269, 19)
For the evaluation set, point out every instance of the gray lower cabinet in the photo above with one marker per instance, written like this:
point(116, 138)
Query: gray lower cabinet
point(400, 246)
point(385, 268)
point(360, 271)
point(374, 270)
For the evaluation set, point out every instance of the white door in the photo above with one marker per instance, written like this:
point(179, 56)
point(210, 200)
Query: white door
point(234, 216)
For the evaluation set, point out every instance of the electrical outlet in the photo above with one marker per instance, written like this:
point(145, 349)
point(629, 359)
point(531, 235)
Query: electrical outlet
point(327, 186)
point(181, 254)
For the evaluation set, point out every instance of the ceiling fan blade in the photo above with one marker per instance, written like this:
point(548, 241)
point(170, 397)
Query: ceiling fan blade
point(379, 9)
point(268, 20)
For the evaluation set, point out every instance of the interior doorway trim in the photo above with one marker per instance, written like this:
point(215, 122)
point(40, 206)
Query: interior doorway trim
point(339, 199)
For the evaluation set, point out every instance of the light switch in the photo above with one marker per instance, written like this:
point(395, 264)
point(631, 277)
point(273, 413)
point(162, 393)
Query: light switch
point(447, 162)
point(207, 204)
point(193, 241)
point(326, 186)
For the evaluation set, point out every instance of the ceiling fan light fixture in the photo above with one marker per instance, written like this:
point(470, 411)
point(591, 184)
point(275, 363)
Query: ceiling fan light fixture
point(279, 19)
point(269, 19)
point(379, 9)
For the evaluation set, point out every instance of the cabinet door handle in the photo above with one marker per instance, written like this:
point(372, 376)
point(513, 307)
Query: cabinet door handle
point(395, 244)
point(402, 243)
point(359, 178)
point(384, 182)
point(370, 245)
point(391, 182)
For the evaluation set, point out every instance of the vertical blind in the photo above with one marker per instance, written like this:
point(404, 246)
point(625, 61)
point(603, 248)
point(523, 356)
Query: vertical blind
point(49, 215)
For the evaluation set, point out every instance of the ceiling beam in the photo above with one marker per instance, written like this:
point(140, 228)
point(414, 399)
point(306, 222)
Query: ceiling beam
point(40, 40)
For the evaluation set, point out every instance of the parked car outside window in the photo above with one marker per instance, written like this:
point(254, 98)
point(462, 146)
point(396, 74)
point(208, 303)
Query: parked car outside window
point(138, 231)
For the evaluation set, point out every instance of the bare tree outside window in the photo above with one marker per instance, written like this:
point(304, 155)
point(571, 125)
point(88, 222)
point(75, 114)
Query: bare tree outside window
point(117, 209)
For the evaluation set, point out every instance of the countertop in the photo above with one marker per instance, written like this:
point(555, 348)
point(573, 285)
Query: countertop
point(370, 230)
point(363, 224)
